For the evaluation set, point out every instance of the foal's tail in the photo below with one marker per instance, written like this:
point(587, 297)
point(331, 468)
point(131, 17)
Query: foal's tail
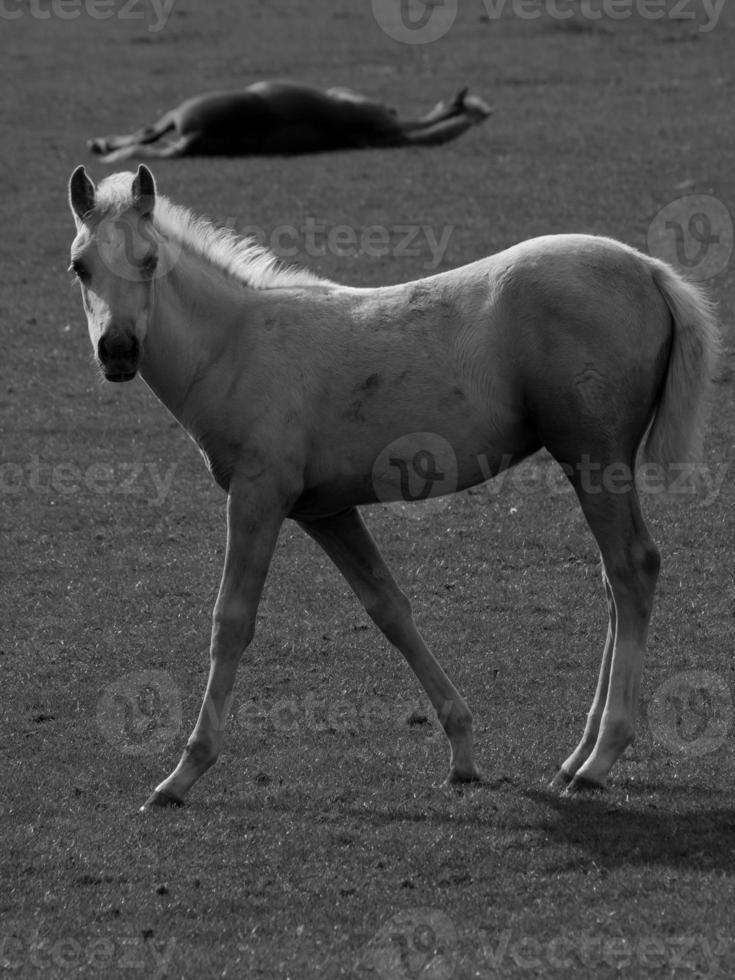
point(677, 430)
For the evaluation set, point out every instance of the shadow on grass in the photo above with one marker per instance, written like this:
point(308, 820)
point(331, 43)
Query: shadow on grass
point(675, 831)
point(686, 828)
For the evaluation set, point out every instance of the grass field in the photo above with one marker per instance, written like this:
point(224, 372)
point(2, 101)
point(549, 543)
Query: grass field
point(321, 845)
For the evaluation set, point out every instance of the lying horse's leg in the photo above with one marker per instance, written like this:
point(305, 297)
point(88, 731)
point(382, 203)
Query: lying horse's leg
point(147, 134)
point(365, 122)
point(348, 543)
point(252, 531)
point(583, 751)
point(631, 563)
point(443, 109)
point(178, 148)
point(446, 122)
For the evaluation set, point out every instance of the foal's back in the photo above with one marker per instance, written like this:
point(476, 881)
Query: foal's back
point(560, 341)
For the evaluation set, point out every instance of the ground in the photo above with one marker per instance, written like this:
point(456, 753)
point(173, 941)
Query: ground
point(322, 843)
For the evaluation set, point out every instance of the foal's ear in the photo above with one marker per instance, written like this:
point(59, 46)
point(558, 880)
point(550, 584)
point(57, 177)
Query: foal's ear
point(144, 191)
point(81, 193)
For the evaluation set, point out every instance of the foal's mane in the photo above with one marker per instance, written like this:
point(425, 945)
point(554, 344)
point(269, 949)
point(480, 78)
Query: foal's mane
point(238, 256)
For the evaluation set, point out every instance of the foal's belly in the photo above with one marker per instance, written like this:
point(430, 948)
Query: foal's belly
point(409, 458)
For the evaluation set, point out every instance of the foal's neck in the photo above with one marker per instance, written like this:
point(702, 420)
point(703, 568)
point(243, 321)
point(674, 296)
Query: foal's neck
point(194, 308)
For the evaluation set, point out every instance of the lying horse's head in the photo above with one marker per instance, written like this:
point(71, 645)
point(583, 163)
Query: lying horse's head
point(114, 258)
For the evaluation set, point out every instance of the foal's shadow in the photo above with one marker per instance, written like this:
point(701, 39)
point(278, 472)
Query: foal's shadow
point(685, 837)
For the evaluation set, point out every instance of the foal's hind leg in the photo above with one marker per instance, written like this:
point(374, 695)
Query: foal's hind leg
point(631, 564)
point(594, 718)
point(348, 543)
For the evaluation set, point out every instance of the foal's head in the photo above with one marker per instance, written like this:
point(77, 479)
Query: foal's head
point(115, 257)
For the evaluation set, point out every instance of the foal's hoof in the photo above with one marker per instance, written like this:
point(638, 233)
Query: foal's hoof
point(560, 781)
point(457, 778)
point(159, 798)
point(580, 786)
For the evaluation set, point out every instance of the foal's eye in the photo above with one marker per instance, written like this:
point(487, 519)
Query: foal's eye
point(79, 270)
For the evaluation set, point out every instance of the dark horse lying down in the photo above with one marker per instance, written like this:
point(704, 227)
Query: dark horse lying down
point(286, 117)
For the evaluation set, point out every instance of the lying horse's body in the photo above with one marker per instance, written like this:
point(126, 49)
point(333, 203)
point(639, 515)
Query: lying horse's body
point(305, 395)
point(286, 118)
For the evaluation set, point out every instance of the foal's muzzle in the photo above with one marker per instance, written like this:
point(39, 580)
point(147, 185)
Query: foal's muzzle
point(119, 356)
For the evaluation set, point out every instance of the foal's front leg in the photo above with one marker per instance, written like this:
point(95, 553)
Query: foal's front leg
point(348, 543)
point(252, 531)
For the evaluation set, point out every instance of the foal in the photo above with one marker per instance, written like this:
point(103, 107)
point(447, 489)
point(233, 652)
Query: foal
point(306, 396)
point(285, 118)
